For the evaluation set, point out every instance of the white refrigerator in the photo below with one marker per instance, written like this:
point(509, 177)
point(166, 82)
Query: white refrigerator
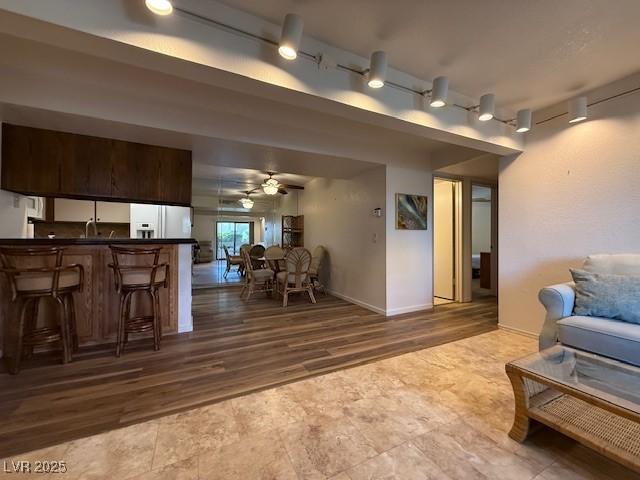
point(160, 221)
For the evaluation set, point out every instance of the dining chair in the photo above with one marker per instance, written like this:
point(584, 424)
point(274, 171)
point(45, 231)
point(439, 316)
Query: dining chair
point(314, 269)
point(275, 258)
point(232, 260)
point(296, 277)
point(247, 247)
point(257, 253)
point(257, 280)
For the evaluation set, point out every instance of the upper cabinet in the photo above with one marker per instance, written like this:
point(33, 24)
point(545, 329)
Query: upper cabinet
point(57, 164)
point(66, 210)
point(113, 212)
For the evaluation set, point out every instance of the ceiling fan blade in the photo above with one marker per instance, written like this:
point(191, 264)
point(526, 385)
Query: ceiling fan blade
point(292, 187)
point(282, 191)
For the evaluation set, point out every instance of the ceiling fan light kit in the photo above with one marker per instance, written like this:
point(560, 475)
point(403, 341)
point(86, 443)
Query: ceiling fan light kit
point(270, 186)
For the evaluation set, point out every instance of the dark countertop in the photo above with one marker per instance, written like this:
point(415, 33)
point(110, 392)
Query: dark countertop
point(93, 241)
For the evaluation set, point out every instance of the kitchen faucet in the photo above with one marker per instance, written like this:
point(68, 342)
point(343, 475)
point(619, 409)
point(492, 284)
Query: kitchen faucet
point(95, 228)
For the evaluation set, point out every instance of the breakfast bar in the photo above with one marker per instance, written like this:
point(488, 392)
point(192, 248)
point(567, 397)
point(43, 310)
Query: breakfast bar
point(97, 302)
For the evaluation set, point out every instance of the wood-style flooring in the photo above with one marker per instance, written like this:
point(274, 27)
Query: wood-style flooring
point(236, 348)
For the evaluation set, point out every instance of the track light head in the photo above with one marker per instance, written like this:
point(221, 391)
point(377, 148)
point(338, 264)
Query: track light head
point(439, 92)
point(577, 109)
point(291, 36)
point(377, 69)
point(159, 7)
point(523, 120)
point(487, 107)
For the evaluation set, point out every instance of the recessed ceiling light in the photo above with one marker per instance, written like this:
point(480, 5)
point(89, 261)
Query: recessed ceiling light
point(159, 7)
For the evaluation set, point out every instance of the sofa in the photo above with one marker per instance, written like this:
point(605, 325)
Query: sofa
point(612, 338)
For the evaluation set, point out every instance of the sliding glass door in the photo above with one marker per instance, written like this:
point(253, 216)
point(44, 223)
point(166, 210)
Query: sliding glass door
point(232, 235)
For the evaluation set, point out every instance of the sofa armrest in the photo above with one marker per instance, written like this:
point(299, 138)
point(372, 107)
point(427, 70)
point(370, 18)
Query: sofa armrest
point(558, 301)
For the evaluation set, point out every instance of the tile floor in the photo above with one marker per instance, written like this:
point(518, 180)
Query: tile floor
point(439, 413)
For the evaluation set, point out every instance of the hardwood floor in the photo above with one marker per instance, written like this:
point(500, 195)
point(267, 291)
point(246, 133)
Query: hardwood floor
point(235, 348)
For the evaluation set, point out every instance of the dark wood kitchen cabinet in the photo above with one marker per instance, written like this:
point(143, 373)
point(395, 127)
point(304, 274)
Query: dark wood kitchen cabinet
point(59, 164)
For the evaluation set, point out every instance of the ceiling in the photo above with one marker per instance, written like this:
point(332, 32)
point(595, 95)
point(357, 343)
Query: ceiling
point(483, 167)
point(529, 53)
point(231, 182)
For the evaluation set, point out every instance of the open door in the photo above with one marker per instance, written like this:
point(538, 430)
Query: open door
point(444, 241)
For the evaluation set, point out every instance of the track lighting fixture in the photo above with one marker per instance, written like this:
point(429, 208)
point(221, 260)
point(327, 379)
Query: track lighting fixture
point(439, 92)
point(289, 48)
point(523, 120)
point(291, 36)
point(577, 109)
point(159, 7)
point(487, 107)
point(377, 69)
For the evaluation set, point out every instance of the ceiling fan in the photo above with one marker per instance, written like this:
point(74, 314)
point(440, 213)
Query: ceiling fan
point(246, 201)
point(271, 186)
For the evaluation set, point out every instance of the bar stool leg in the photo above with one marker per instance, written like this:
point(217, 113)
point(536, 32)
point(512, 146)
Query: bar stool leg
point(127, 317)
point(73, 327)
point(156, 314)
point(65, 334)
point(121, 321)
point(21, 306)
point(31, 322)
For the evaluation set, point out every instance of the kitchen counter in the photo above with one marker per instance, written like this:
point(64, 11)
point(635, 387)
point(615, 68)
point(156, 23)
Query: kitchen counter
point(25, 242)
point(97, 304)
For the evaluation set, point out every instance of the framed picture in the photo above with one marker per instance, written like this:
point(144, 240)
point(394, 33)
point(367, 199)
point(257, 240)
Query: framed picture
point(411, 212)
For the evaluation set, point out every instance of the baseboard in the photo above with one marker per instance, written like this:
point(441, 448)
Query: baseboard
point(518, 331)
point(413, 308)
point(357, 302)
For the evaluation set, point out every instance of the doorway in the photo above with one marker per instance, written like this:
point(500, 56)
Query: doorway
point(232, 235)
point(483, 241)
point(446, 240)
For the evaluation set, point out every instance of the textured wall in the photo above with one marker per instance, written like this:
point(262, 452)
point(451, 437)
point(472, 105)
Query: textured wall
point(337, 215)
point(575, 191)
point(409, 252)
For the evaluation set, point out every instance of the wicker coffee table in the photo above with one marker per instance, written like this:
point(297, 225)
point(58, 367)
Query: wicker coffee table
point(590, 398)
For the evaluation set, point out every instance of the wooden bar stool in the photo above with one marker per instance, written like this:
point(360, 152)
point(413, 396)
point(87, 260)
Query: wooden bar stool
point(138, 270)
point(34, 274)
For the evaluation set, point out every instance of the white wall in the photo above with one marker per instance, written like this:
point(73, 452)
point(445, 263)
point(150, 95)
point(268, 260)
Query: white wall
point(409, 252)
point(480, 227)
point(575, 191)
point(338, 215)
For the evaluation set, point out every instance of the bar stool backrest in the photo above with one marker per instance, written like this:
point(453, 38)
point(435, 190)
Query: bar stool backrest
point(33, 261)
point(140, 263)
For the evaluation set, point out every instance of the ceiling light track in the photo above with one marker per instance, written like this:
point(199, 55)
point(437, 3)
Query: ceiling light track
point(288, 47)
point(597, 102)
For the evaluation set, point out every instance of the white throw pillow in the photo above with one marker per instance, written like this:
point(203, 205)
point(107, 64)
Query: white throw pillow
point(613, 264)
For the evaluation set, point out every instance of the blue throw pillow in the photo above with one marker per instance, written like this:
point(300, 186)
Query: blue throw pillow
point(606, 295)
